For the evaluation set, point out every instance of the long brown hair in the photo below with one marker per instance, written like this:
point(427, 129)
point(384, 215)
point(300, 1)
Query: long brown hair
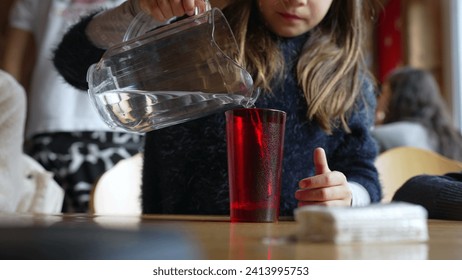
point(416, 97)
point(330, 67)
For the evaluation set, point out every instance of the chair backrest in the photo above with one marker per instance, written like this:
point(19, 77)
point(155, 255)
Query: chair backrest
point(118, 190)
point(397, 165)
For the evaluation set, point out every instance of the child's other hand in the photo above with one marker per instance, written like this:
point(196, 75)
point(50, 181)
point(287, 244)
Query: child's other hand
point(329, 188)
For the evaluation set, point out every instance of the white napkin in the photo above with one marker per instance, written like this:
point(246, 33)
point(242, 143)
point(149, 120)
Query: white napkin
point(391, 222)
point(40, 193)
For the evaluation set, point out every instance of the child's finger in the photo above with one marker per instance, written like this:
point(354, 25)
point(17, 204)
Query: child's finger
point(320, 161)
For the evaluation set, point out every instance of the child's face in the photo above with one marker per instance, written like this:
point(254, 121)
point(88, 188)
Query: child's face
point(290, 18)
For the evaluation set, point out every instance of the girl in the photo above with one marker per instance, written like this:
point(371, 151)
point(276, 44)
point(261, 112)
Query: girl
point(307, 57)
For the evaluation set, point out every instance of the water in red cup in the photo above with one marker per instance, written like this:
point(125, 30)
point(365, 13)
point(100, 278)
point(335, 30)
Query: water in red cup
point(255, 141)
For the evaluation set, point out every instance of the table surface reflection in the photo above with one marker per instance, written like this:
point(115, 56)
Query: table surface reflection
point(214, 237)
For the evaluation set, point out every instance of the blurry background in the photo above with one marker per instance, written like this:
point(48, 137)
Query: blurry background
point(421, 33)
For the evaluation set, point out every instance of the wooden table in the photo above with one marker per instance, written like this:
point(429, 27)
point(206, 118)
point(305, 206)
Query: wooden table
point(211, 237)
point(220, 239)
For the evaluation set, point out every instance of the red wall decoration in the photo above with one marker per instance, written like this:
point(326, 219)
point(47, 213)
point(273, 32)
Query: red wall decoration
point(389, 36)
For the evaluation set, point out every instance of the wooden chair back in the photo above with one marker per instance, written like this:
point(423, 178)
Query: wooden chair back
point(118, 191)
point(397, 165)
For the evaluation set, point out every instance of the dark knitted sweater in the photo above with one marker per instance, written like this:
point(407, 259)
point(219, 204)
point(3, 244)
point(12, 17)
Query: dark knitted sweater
point(185, 165)
point(440, 195)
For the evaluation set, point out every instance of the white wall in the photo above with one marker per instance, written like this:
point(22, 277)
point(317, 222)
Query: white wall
point(452, 55)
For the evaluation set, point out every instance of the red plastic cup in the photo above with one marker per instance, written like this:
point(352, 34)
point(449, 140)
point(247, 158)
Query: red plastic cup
point(255, 141)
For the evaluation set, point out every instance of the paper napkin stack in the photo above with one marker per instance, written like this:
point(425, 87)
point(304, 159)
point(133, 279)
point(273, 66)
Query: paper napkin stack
point(392, 222)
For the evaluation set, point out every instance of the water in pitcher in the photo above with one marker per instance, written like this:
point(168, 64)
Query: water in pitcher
point(162, 76)
point(142, 111)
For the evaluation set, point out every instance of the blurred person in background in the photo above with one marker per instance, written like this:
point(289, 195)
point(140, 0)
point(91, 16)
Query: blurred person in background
point(25, 186)
point(63, 132)
point(12, 117)
point(412, 112)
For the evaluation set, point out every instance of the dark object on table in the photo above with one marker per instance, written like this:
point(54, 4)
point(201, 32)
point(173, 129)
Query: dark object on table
point(440, 195)
point(92, 242)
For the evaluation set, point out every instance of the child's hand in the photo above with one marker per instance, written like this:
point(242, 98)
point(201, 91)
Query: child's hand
point(163, 10)
point(329, 188)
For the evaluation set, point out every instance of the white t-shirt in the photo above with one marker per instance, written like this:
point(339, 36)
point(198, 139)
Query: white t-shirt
point(402, 133)
point(54, 105)
point(12, 116)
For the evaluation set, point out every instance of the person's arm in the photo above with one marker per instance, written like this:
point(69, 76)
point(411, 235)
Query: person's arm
point(356, 155)
point(350, 177)
point(12, 120)
point(18, 44)
point(440, 195)
point(75, 54)
point(85, 43)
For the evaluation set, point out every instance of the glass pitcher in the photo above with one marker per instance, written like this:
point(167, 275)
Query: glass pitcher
point(170, 74)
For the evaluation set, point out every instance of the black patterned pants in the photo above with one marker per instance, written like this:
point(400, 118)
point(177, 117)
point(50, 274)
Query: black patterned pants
point(78, 159)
